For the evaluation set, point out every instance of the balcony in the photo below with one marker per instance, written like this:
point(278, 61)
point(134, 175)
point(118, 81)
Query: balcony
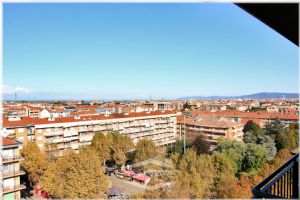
point(57, 140)
point(9, 159)
point(10, 174)
point(282, 183)
point(75, 146)
point(8, 189)
point(53, 133)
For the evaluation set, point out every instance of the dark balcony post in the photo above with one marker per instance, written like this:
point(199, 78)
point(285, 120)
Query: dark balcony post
point(295, 180)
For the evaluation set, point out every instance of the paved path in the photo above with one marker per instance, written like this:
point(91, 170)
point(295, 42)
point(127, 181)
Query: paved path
point(128, 187)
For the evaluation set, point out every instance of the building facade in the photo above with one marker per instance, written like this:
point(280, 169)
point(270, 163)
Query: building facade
point(211, 128)
point(11, 169)
point(71, 132)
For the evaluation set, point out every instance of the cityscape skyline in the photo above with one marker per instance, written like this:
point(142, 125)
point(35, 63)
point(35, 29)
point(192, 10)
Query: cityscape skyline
point(138, 51)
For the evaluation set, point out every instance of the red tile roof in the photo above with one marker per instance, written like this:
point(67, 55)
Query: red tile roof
point(251, 115)
point(245, 120)
point(27, 121)
point(208, 120)
point(7, 141)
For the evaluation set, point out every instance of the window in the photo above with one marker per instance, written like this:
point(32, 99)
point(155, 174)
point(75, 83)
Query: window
point(21, 137)
point(8, 168)
point(8, 183)
point(20, 129)
point(30, 138)
point(39, 138)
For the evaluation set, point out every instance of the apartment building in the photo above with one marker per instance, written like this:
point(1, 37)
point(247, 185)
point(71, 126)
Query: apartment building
point(262, 116)
point(72, 132)
point(11, 169)
point(212, 128)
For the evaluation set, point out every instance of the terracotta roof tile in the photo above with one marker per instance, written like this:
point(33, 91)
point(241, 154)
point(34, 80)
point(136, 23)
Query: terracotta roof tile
point(7, 141)
point(27, 121)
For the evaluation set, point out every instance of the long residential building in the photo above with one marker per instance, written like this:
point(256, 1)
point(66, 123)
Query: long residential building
point(259, 117)
point(210, 127)
point(71, 132)
point(11, 171)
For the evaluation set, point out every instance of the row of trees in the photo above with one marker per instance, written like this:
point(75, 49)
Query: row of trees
point(233, 168)
point(120, 148)
point(219, 174)
point(75, 175)
point(80, 175)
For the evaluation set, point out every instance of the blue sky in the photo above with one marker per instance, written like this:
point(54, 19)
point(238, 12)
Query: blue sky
point(134, 51)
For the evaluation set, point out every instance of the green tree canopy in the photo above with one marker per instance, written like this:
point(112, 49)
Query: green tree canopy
point(275, 127)
point(248, 157)
point(223, 164)
point(253, 158)
point(265, 140)
point(287, 140)
point(186, 106)
point(177, 147)
point(35, 162)
point(76, 175)
point(252, 126)
point(145, 149)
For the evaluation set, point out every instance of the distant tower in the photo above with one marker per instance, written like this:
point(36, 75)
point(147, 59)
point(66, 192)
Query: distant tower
point(16, 97)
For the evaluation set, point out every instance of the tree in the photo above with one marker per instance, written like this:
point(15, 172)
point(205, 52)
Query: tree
point(287, 140)
point(253, 158)
point(144, 150)
point(294, 126)
point(119, 146)
point(177, 147)
point(201, 145)
point(186, 106)
point(76, 176)
point(223, 164)
point(228, 188)
point(101, 144)
point(281, 157)
point(233, 149)
point(197, 173)
point(52, 150)
point(248, 157)
point(224, 168)
point(274, 128)
point(252, 126)
point(35, 162)
point(265, 140)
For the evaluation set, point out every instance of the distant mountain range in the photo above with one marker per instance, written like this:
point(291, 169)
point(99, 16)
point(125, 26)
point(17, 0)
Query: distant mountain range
point(262, 95)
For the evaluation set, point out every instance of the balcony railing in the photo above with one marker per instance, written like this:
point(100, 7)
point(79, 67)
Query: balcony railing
point(8, 189)
point(282, 183)
point(7, 159)
point(10, 174)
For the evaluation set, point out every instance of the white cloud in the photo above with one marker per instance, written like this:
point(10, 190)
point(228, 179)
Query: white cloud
point(11, 90)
